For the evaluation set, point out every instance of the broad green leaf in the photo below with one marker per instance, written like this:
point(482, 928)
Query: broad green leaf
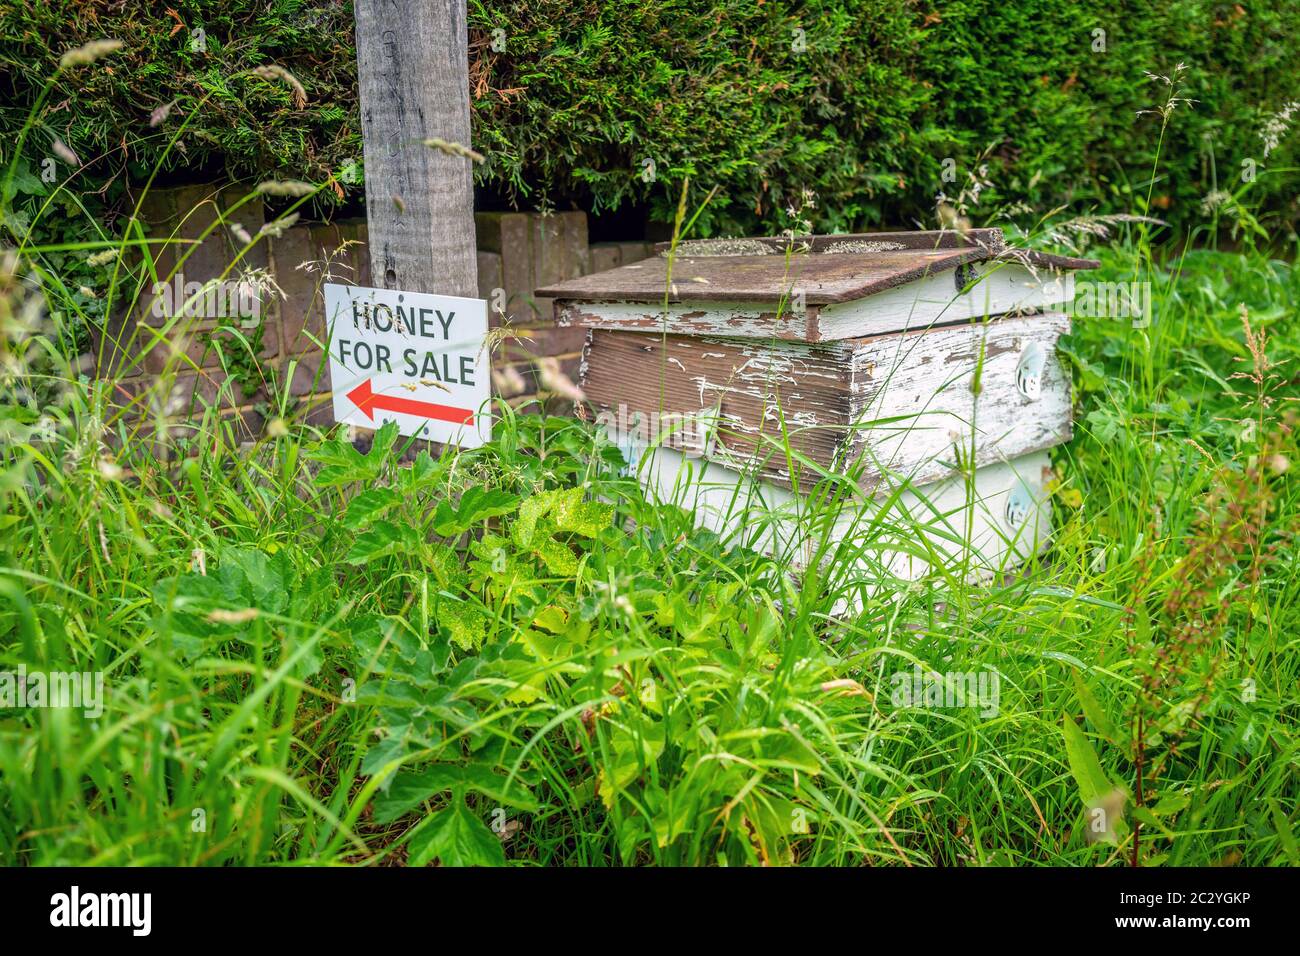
point(24, 182)
point(1284, 835)
point(557, 557)
point(633, 753)
point(587, 518)
point(384, 751)
point(552, 618)
point(373, 634)
point(1142, 624)
point(455, 837)
point(567, 513)
point(383, 538)
point(531, 511)
point(444, 562)
point(422, 472)
point(476, 504)
point(1171, 804)
point(771, 823)
point(790, 753)
point(1092, 709)
point(345, 465)
point(465, 623)
point(253, 578)
point(337, 453)
point(1147, 817)
point(409, 789)
point(382, 441)
point(1084, 765)
point(369, 505)
point(483, 780)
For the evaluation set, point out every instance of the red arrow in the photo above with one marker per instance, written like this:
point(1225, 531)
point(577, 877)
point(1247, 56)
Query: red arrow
point(365, 399)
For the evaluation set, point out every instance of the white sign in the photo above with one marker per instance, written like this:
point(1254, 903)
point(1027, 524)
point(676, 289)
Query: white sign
point(412, 358)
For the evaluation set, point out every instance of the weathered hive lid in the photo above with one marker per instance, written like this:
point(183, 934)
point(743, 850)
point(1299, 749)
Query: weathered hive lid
point(817, 294)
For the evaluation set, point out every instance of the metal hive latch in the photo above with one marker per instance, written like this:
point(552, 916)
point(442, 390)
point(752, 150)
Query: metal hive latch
point(1020, 502)
point(1029, 370)
point(963, 276)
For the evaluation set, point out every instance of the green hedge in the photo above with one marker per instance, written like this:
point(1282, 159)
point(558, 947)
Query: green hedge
point(585, 92)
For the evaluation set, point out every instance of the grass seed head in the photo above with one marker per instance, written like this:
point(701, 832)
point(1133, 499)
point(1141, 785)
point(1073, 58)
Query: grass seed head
point(291, 188)
point(453, 149)
point(88, 53)
point(272, 73)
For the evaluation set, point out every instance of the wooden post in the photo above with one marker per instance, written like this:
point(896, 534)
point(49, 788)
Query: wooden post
point(413, 74)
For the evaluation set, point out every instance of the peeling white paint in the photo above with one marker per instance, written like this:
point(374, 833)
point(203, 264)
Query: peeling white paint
point(739, 319)
point(960, 522)
point(934, 300)
point(1001, 288)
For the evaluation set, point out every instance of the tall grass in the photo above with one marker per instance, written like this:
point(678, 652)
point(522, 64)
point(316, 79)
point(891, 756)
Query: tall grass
point(511, 654)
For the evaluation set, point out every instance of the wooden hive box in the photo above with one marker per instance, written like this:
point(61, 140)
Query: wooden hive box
point(920, 359)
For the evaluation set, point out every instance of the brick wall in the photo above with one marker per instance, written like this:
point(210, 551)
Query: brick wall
point(166, 363)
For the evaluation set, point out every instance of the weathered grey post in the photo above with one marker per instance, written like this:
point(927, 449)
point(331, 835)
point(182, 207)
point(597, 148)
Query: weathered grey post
point(413, 74)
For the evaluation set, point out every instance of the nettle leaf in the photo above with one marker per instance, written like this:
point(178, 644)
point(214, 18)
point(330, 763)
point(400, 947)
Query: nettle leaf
point(497, 787)
point(373, 634)
point(495, 559)
point(1091, 377)
point(633, 752)
point(411, 788)
point(187, 600)
point(24, 182)
point(391, 747)
point(423, 472)
point(369, 505)
point(455, 837)
point(444, 563)
point(552, 618)
point(336, 453)
point(557, 557)
point(382, 539)
point(382, 442)
point(560, 511)
point(465, 623)
point(1105, 424)
point(573, 514)
point(532, 511)
point(253, 578)
point(345, 465)
point(244, 582)
point(475, 505)
point(398, 695)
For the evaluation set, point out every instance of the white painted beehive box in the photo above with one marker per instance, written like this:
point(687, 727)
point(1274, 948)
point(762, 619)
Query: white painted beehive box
point(740, 373)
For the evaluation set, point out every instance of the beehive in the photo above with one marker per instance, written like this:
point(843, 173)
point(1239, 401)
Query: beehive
point(920, 361)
